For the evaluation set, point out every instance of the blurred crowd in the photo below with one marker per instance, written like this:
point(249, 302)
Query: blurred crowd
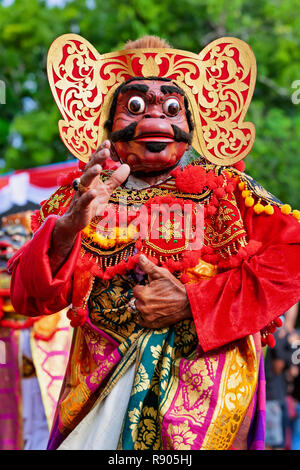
point(282, 369)
point(33, 355)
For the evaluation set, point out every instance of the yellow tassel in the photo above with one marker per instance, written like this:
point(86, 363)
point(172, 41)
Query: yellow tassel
point(246, 193)
point(241, 185)
point(286, 209)
point(296, 214)
point(258, 208)
point(269, 210)
point(249, 201)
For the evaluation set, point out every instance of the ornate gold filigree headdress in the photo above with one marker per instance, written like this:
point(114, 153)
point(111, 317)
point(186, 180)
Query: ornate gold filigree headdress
point(218, 82)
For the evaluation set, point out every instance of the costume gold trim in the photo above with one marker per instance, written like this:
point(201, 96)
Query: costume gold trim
point(239, 380)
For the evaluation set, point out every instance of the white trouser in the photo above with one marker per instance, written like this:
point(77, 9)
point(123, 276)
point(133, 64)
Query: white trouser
point(101, 427)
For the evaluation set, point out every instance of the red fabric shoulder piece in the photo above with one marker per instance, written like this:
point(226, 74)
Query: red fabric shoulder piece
point(57, 204)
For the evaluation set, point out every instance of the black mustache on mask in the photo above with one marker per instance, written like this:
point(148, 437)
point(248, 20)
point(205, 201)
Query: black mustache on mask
point(124, 135)
point(181, 136)
point(127, 134)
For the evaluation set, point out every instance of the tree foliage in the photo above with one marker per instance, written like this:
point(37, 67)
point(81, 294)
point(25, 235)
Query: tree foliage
point(28, 121)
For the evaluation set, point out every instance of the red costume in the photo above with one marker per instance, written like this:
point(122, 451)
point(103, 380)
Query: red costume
point(266, 282)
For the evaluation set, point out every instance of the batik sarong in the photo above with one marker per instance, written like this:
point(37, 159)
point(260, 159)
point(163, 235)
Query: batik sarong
point(181, 398)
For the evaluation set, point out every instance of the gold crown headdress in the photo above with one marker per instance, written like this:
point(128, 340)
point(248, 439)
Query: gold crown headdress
point(218, 82)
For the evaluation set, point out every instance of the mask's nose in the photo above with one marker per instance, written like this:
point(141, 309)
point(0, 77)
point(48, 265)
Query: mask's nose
point(154, 112)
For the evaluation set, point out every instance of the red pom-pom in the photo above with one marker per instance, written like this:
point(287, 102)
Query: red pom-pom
point(220, 192)
point(267, 337)
point(270, 341)
point(66, 180)
point(132, 262)
point(184, 278)
point(34, 221)
point(211, 210)
point(240, 166)
point(214, 201)
point(230, 187)
point(77, 316)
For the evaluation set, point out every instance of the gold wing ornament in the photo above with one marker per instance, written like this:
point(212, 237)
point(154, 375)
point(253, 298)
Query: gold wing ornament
point(219, 84)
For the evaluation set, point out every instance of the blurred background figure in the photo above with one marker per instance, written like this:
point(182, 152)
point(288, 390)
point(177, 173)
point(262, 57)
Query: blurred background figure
point(281, 373)
point(15, 231)
point(293, 375)
point(33, 357)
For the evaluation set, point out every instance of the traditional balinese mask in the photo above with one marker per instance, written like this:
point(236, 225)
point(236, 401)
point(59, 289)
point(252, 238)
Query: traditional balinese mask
point(218, 84)
point(150, 125)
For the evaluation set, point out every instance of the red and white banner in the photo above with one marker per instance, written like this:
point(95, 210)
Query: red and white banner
point(33, 185)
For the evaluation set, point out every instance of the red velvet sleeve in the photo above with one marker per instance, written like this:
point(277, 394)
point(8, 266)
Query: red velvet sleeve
point(243, 300)
point(33, 289)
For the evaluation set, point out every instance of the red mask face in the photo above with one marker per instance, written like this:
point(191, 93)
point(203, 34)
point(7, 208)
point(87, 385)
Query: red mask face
point(150, 129)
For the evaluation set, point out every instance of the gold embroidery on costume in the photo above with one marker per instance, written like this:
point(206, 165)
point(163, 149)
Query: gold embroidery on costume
point(54, 202)
point(108, 307)
point(226, 233)
point(134, 417)
point(83, 365)
point(110, 245)
point(239, 380)
point(57, 203)
point(180, 437)
point(169, 230)
point(101, 372)
point(97, 345)
point(194, 399)
point(141, 380)
point(72, 405)
point(144, 431)
point(180, 378)
point(148, 430)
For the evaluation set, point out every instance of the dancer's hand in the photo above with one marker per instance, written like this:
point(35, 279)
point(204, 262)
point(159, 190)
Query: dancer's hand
point(163, 301)
point(92, 197)
point(89, 201)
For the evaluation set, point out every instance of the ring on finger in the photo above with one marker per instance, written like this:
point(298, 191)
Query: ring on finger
point(78, 186)
point(133, 309)
point(132, 306)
